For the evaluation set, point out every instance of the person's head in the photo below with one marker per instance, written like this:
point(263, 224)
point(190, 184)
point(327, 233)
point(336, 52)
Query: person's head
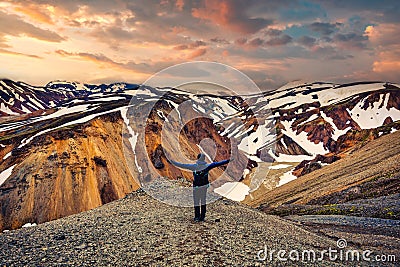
point(201, 157)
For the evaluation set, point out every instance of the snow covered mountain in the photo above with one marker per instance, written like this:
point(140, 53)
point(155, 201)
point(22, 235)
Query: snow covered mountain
point(61, 145)
point(18, 98)
point(318, 118)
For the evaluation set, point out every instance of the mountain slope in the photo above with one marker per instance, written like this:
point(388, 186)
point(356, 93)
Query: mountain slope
point(66, 172)
point(377, 158)
point(141, 231)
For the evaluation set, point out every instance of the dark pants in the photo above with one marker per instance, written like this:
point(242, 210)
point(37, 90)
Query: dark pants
point(199, 199)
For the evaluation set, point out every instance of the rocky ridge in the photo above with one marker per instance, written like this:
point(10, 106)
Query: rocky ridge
point(138, 230)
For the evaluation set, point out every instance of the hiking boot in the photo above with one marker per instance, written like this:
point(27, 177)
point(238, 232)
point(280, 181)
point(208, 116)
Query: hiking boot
point(197, 219)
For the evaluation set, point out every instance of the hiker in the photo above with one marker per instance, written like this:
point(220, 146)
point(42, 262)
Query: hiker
point(200, 182)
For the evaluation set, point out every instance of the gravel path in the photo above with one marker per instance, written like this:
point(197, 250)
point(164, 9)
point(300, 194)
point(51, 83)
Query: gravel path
point(140, 231)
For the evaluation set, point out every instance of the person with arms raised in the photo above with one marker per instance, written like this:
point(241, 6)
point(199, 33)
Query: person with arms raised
point(200, 171)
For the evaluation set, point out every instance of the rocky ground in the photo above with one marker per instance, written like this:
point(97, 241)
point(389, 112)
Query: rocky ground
point(385, 207)
point(362, 232)
point(141, 231)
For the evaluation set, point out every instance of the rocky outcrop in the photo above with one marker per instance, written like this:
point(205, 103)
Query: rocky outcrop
point(156, 157)
point(66, 172)
point(286, 145)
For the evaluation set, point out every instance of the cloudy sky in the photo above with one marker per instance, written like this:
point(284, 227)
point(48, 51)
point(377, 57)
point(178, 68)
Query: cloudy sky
point(273, 42)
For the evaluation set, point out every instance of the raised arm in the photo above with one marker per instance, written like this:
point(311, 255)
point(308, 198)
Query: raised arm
point(219, 163)
point(183, 165)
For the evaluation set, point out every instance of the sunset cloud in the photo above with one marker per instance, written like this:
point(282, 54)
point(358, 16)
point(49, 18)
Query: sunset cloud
point(13, 25)
point(108, 62)
point(280, 40)
point(384, 38)
point(230, 14)
point(306, 41)
point(197, 53)
point(192, 45)
point(8, 52)
point(39, 13)
point(351, 40)
point(272, 41)
point(324, 28)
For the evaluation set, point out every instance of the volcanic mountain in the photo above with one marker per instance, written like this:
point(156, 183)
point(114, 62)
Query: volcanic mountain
point(63, 146)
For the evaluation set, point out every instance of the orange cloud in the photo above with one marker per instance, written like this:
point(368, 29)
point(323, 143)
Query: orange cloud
point(197, 53)
point(8, 52)
point(383, 34)
point(386, 66)
point(180, 4)
point(13, 25)
point(388, 62)
point(96, 58)
point(103, 61)
point(231, 15)
point(192, 45)
point(35, 12)
point(384, 37)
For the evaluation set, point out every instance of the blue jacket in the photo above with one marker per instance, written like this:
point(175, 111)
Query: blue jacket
point(200, 170)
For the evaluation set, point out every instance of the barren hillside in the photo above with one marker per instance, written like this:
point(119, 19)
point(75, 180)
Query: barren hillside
point(377, 158)
point(140, 231)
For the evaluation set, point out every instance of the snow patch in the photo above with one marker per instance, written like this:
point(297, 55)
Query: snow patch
point(7, 110)
point(236, 133)
point(226, 131)
point(256, 140)
point(254, 158)
point(79, 121)
point(311, 118)
point(6, 156)
point(286, 178)
point(374, 117)
point(64, 111)
point(203, 152)
point(325, 97)
point(279, 166)
point(110, 98)
point(176, 108)
point(302, 140)
point(236, 191)
point(161, 115)
point(133, 136)
point(289, 158)
point(24, 109)
point(29, 225)
point(35, 102)
point(4, 175)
